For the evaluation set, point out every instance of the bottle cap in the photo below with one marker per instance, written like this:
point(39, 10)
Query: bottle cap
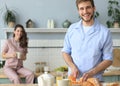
point(46, 69)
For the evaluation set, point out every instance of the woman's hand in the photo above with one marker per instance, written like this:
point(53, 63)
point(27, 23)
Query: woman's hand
point(13, 55)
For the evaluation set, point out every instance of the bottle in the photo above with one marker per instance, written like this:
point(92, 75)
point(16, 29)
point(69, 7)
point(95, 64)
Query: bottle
point(52, 23)
point(46, 79)
point(48, 24)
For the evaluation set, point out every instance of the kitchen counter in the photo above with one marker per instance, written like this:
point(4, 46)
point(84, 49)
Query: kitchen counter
point(108, 73)
point(18, 85)
point(103, 84)
point(112, 73)
point(108, 76)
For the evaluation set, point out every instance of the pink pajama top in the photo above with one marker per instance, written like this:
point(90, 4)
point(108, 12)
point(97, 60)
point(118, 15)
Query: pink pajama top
point(12, 46)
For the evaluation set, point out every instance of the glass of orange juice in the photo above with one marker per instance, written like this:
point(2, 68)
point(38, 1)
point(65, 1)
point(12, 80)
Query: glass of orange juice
point(58, 78)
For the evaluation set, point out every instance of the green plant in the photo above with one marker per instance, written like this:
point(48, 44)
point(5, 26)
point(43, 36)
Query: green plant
point(9, 16)
point(113, 12)
point(96, 14)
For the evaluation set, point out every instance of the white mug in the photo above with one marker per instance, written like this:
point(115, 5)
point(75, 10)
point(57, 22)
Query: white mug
point(63, 82)
point(18, 55)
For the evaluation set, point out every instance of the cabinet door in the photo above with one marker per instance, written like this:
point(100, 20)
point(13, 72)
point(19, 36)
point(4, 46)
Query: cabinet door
point(7, 81)
point(119, 77)
point(111, 78)
point(4, 81)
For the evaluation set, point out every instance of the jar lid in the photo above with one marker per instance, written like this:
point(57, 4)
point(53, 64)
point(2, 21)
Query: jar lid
point(37, 62)
point(43, 62)
point(46, 68)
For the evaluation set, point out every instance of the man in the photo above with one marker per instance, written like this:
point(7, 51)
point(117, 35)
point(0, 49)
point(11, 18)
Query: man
point(87, 45)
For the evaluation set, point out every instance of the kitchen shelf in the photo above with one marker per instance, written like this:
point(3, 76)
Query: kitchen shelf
point(54, 30)
point(44, 32)
point(40, 30)
point(115, 30)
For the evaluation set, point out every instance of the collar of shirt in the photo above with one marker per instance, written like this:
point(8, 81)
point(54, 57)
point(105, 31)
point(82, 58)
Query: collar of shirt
point(94, 26)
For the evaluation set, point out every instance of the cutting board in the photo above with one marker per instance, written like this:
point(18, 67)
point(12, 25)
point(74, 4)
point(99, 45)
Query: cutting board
point(116, 57)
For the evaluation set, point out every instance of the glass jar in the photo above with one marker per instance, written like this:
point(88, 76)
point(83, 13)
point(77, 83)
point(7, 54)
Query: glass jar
point(37, 68)
point(43, 64)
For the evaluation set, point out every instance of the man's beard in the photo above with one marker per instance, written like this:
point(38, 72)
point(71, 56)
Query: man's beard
point(88, 20)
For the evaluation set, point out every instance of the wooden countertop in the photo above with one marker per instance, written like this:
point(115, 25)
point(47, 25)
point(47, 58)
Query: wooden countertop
point(109, 73)
point(103, 84)
point(112, 73)
point(18, 84)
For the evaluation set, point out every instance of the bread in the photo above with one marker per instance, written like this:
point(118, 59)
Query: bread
point(89, 82)
point(86, 84)
point(113, 84)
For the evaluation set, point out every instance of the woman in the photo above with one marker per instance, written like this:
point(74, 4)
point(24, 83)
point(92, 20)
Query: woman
point(14, 65)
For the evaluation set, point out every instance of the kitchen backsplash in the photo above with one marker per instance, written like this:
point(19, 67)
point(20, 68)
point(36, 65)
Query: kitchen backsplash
point(52, 56)
point(48, 51)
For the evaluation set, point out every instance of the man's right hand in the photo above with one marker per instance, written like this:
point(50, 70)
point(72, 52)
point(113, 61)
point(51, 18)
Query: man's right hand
point(75, 72)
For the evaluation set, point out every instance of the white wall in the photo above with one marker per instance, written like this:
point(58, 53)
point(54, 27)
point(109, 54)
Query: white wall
point(42, 10)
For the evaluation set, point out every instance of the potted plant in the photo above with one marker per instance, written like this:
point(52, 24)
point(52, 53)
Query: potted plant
point(113, 13)
point(9, 17)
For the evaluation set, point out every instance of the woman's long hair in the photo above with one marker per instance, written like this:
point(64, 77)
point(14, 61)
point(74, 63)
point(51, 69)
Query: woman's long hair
point(23, 40)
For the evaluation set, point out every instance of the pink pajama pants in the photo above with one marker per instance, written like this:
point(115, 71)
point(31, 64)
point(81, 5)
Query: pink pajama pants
point(13, 75)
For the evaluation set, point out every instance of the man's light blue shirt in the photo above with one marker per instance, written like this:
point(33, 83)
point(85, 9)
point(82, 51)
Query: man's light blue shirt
point(88, 50)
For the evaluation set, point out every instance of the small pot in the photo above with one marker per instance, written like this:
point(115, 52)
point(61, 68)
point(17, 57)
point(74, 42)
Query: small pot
point(66, 24)
point(11, 24)
point(116, 25)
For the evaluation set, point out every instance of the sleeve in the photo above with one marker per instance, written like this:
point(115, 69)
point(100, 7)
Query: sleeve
point(108, 48)
point(66, 46)
point(5, 47)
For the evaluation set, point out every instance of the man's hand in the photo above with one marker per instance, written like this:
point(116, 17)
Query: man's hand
point(87, 75)
point(75, 72)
